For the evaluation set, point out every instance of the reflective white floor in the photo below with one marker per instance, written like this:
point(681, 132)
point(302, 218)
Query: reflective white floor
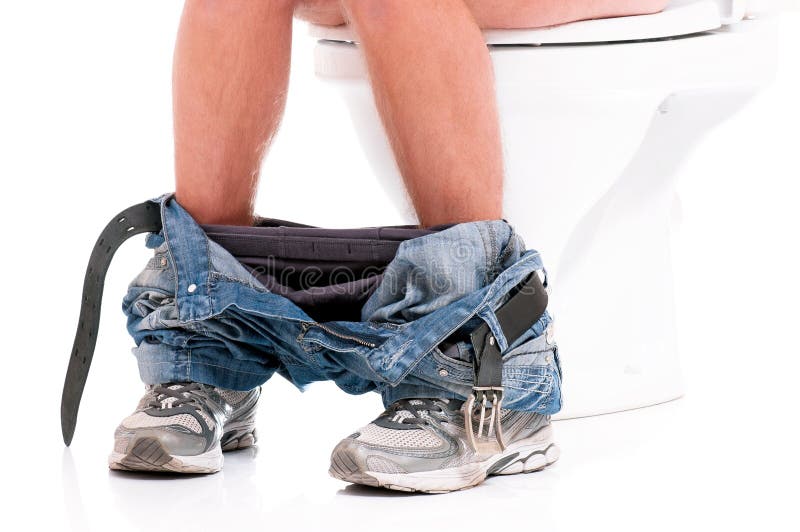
point(667, 467)
point(724, 457)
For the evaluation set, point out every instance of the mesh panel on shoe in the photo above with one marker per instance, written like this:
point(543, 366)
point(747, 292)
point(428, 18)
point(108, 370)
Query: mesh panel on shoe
point(375, 435)
point(378, 464)
point(145, 400)
point(232, 397)
point(206, 418)
point(141, 420)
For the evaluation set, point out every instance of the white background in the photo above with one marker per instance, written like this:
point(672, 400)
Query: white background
point(85, 131)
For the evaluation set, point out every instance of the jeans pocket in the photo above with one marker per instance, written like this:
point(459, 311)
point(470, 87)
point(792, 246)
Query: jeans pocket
point(532, 377)
point(453, 369)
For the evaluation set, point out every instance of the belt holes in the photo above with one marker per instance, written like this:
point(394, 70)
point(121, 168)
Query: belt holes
point(129, 229)
point(121, 220)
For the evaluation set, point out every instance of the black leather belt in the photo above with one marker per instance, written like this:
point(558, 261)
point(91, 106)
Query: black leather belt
point(142, 218)
point(518, 314)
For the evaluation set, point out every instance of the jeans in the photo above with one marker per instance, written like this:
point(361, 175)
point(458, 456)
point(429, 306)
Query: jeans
point(197, 314)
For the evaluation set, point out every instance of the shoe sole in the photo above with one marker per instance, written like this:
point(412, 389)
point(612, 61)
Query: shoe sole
point(238, 438)
point(525, 456)
point(149, 455)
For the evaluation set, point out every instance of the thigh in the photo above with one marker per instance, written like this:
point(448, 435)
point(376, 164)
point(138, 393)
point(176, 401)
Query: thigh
point(509, 14)
point(506, 13)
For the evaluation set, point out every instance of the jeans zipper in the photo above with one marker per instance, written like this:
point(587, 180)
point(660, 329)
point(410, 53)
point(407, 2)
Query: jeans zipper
point(343, 336)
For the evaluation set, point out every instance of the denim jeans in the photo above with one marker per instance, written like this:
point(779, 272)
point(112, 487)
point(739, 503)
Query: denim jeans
point(197, 314)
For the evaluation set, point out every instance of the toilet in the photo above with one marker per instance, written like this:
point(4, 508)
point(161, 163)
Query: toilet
point(597, 119)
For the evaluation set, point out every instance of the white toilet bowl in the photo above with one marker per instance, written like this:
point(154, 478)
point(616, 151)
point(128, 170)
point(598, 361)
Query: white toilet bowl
point(597, 118)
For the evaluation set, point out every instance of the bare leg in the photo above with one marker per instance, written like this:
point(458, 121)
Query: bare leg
point(231, 73)
point(540, 13)
point(507, 13)
point(229, 88)
point(433, 84)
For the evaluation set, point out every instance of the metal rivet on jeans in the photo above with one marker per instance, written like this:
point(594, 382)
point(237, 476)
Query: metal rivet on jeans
point(163, 261)
point(191, 288)
point(443, 373)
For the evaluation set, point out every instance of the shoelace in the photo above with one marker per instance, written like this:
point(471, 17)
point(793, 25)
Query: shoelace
point(416, 408)
point(181, 392)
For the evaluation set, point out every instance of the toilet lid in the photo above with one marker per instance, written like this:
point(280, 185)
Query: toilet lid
point(680, 17)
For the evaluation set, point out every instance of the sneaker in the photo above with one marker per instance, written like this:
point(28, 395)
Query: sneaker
point(184, 428)
point(421, 445)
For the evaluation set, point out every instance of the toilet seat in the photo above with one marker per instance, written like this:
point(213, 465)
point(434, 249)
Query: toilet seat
point(680, 17)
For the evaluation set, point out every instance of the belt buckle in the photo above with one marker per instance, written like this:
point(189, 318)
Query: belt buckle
point(478, 400)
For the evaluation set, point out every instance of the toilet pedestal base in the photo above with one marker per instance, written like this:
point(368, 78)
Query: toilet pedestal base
point(594, 140)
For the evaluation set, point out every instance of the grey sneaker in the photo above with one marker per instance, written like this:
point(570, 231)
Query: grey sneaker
point(421, 445)
point(183, 428)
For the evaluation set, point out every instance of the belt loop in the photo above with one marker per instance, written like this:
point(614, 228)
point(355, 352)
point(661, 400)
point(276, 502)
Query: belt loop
point(490, 318)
